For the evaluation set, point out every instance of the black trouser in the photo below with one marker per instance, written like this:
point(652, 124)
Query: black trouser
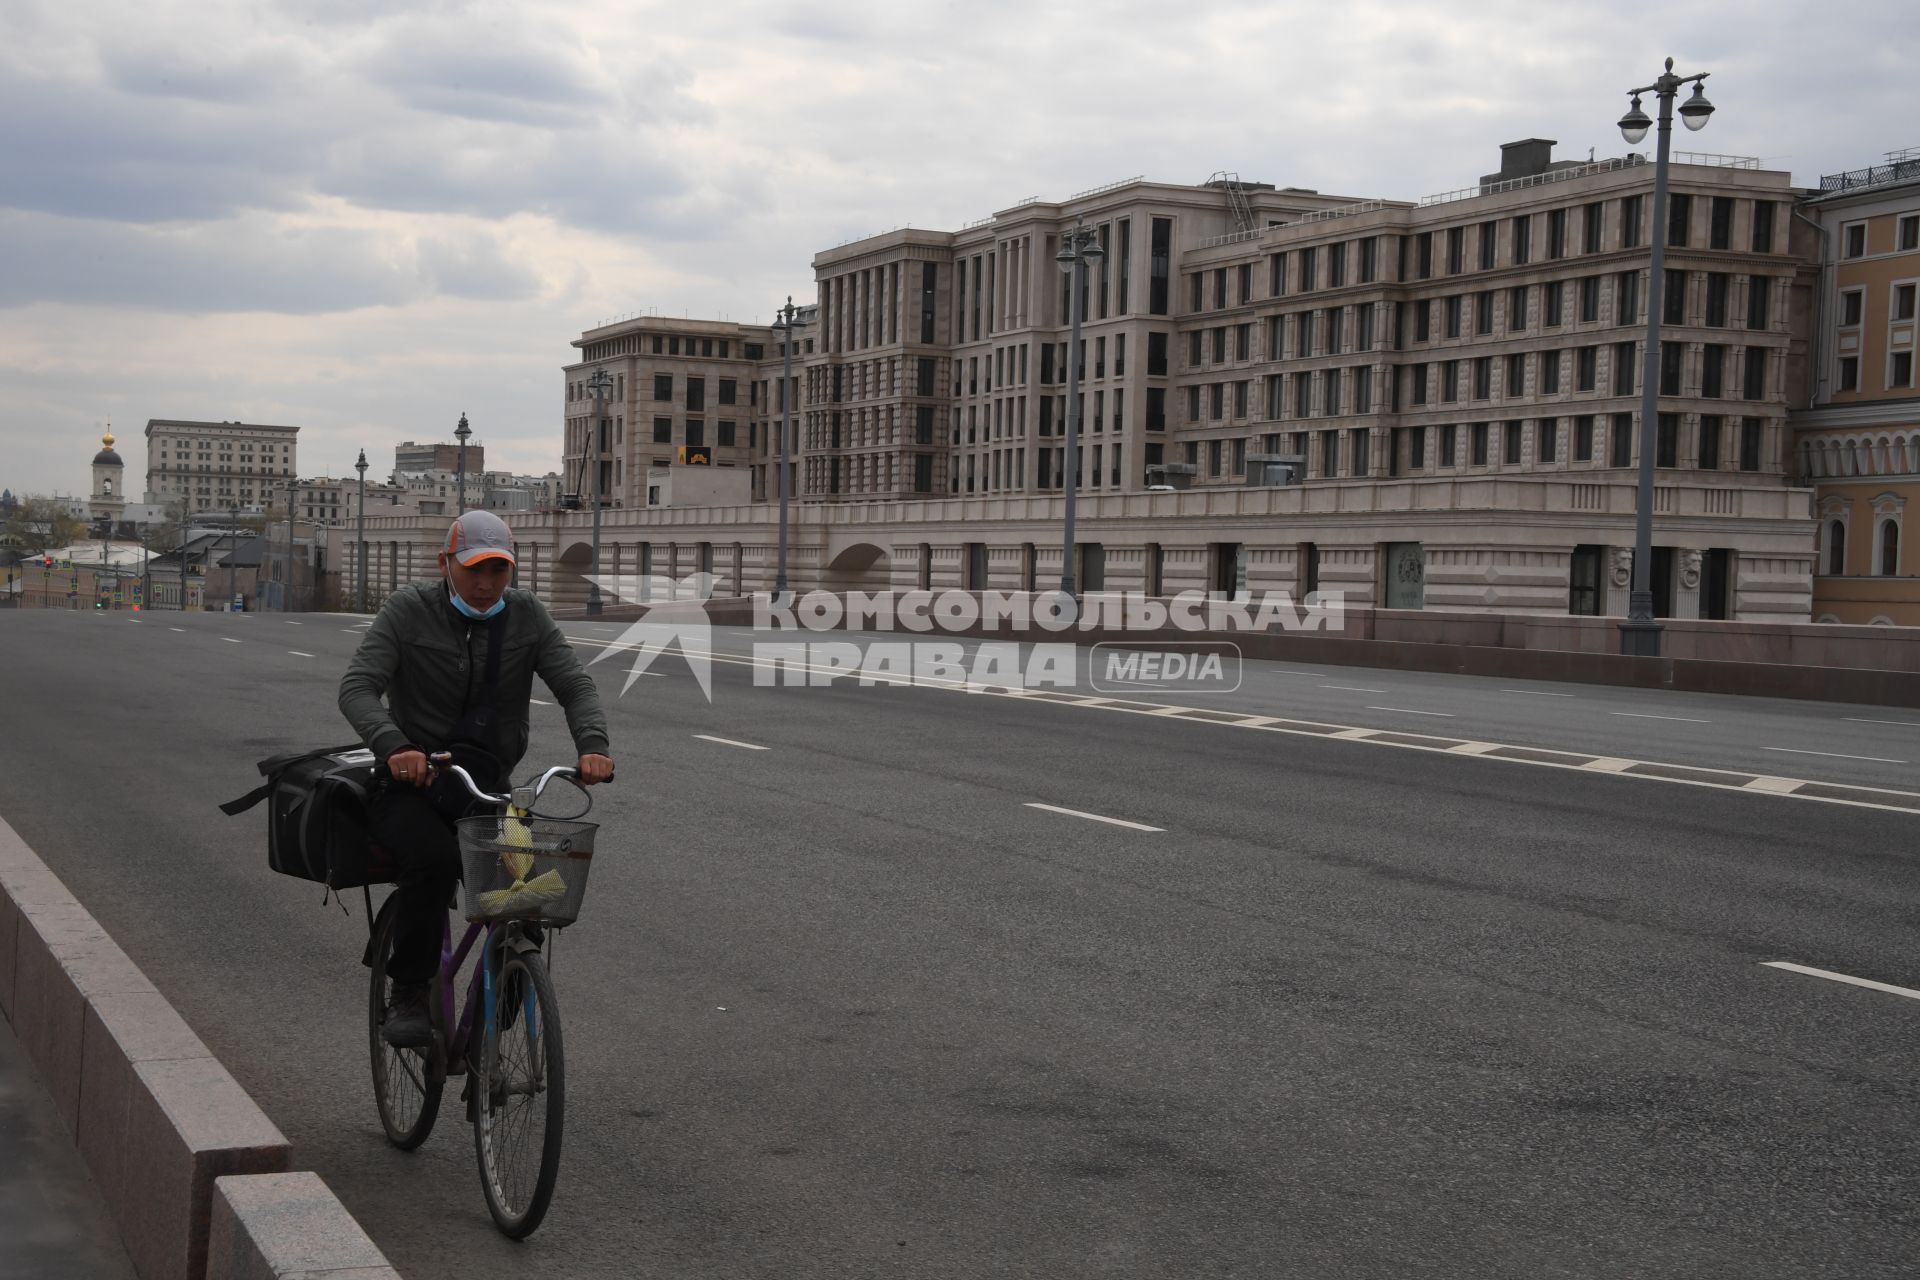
point(426, 854)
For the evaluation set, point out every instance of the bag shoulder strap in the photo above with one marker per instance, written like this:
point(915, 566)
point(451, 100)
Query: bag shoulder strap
point(272, 767)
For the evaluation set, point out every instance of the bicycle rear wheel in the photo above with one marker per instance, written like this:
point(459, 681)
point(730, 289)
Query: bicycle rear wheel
point(520, 1095)
point(403, 1085)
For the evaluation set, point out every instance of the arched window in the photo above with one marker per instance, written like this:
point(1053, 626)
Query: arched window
point(1836, 548)
point(1889, 549)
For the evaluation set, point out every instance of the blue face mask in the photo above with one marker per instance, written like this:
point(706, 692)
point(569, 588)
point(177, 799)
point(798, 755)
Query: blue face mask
point(469, 611)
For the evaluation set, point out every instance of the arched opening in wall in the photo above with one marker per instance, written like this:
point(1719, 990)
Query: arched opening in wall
point(1889, 548)
point(860, 567)
point(926, 566)
point(1836, 548)
point(567, 582)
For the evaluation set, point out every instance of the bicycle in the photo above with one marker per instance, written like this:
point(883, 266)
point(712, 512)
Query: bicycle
point(523, 876)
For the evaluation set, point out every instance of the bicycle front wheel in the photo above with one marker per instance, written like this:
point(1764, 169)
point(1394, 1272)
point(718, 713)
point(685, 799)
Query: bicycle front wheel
point(519, 1095)
point(404, 1085)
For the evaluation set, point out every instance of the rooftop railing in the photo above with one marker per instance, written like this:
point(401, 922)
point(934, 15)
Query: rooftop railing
point(1901, 166)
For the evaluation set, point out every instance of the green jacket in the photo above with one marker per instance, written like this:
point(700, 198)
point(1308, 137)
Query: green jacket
point(428, 660)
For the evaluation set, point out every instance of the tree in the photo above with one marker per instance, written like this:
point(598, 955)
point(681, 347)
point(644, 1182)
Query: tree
point(42, 524)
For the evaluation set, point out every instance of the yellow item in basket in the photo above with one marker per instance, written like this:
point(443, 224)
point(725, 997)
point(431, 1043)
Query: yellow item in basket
point(523, 894)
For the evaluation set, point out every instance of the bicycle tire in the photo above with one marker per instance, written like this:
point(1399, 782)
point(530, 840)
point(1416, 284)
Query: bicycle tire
point(404, 1090)
point(533, 1068)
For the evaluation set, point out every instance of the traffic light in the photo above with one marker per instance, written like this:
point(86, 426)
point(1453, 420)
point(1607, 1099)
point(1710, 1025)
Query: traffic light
point(99, 604)
point(46, 562)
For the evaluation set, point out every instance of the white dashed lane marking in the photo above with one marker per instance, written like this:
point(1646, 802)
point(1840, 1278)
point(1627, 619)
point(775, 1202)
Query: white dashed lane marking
point(1094, 817)
point(1540, 693)
point(229, 639)
point(729, 742)
point(539, 702)
point(296, 653)
point(1833, 755)
point(1409, 711)
point(1643, 715)
point(1831, 976)
point(1352, 688)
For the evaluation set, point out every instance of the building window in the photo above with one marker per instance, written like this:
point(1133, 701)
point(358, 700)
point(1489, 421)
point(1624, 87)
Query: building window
point(1480, 430)
point(1552, 303)
point(1336, 265)
point(1756, 374)
point(1162, 257)
point(1717, 299)
point(1456, 250)
point(1679, 213)
point(1673, 300)
point(663, 430)
point(1750, 444)
point(1889, 548)
point(1900, 369)
point(1453, 309)
point(1489, 235)
point(1903, 300)
point(1449, 455)
point(1517, 309)
point(1709, 442)
point(1594, 223)
point(1849, 373)
point(1712, 362)
point(1762, 226)
point(1854, 235)
point(1720, 229)
point(663, 386)
point(1759, 291)
point(1627, 298)
point(1631, 208)
point(1546, 436)
point(1483, 378)
point(1370, 256)
point(1852, 306)
point(1622, 439)
point(1549, 373)
point(1836, 548)
point(1590, 298)
point(728, 391)
point(1522, 240)
point(1586, 368)
point(1909, 233)
point(1483, 312)
point(1666, 451)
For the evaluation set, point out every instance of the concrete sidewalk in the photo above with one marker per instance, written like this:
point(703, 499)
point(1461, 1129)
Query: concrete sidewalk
point(53, 1223)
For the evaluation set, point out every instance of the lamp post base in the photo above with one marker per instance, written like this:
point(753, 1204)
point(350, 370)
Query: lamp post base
point(593, 603)
point(1640, 638)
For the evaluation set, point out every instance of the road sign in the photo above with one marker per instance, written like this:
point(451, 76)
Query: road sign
point(695, 455)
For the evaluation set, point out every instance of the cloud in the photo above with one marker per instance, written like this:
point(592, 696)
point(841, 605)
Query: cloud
point(252, 263)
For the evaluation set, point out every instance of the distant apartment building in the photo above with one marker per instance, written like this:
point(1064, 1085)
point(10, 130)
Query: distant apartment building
point(681, 389)
point(1858, 441)
point(410, 459)
point(219, 466)
point(1427, 403)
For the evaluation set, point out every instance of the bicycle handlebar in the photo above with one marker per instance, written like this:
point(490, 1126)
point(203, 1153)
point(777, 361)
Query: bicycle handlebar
point(442, 761)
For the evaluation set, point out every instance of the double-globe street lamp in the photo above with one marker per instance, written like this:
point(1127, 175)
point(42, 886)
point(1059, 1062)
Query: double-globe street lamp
point(1640, 634)
point(784, 326)
point(1080, 252)
point(600, 383)
point(361, 467)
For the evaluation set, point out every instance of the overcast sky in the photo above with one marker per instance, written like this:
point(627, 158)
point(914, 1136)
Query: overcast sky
point(366, 216)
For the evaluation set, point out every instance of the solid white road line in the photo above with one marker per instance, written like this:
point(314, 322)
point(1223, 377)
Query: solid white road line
point(296, 653)
point(293, 624)
point(1831, 976)
point(229, 639)
point(1833, 755)
point(180, 629)
point(1540, 693)
point(1351, 688)
point(1409, 711)
point(539, 702)
point(1094, 817)
point(729, 742)
point(1911, 724)
point(1642, 715)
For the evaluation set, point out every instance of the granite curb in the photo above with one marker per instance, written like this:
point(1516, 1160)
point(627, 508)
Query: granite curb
point(193, 1173)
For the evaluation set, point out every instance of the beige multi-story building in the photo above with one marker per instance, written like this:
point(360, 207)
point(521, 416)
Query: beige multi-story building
point(1858, 442)
point(219, 466)
point(1426, 403)
point(682, 390)
point(419, 459)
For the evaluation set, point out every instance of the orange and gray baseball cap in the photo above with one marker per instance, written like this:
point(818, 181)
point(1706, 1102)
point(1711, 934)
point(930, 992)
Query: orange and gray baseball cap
point(480, 535)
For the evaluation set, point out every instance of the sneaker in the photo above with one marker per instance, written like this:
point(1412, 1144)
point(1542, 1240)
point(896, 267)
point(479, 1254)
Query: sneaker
point(407, 1025)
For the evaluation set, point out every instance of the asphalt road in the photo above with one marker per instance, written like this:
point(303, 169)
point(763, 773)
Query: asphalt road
point(850, 1005)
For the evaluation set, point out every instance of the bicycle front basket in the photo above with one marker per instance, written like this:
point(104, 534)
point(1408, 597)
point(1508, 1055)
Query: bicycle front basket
point(524, 868)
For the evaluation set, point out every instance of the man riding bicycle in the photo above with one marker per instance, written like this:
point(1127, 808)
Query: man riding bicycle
point(455, 661)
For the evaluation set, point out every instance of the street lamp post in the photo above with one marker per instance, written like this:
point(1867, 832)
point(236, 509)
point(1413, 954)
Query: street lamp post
point(233, 531)
point(461, 433)
point(1079, 252)
point(600, 383)
point(286, 598)
point(361, 467)
point(1640, 634)
point(785, 325)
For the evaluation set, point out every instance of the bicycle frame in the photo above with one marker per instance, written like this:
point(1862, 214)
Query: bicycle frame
point(457, 1036)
